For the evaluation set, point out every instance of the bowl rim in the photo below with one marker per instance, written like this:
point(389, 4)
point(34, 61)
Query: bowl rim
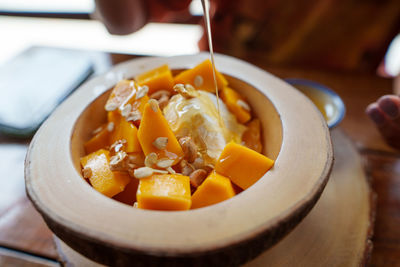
point(318, 86)
point(278, 225)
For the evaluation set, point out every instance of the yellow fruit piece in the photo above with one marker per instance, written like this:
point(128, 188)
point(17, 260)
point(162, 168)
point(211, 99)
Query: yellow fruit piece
point(164, 192)
point(214, 189)
point(101, 177)
point(98, 141)
point(242, 165)
point(122, 91)
point(157, 79)
point(236, 104)
point(252, 136)
point(126, 130)
point(201, 77)
point(153, 126)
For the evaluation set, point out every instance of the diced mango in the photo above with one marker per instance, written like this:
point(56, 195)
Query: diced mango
point(157, 79)
point(126, 130)
point(128, 196)
point(252, 136)
point(98, 141)
point(155, 125)
point(201, 77)
point(236, 104)
point(164, 192)
point(122, 91)
point(214, 189)
point(242, 165)
point(101, 177)
point(138, 105)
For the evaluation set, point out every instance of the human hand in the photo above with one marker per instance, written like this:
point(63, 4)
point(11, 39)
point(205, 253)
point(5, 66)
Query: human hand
point(385, 113)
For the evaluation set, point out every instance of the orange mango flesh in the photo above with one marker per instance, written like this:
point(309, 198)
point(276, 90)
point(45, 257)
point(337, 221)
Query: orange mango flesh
point(122, 91)
point(214, 189)
point(102, 178)
point(128, 196)
point(251, 138)
point(126, 130)
point(157, 79)
point(154, 125)
point(100, 140)
point(231, 98)
point(164, 192)
point(242, 165)
point(203, 70)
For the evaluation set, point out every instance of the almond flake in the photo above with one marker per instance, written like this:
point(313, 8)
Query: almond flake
point(126, 110)
point(134, 116)
point(198, 81)
point(165, 163)
point(243, 104)
point(143, 172)
point(111, 106)
point(143, 90)
point(160, 143)
point(151, 159)
point(87, 172)
point(97, 130)
point(170, 170)
point(153, 104)
point(110, 126)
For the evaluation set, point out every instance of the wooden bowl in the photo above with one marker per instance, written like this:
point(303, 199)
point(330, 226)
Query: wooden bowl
point(228, 233)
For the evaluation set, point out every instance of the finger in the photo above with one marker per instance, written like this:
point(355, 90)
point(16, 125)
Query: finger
point(389, 131)
point(390, 105)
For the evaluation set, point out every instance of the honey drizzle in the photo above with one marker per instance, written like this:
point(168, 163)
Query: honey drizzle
point(206, 8)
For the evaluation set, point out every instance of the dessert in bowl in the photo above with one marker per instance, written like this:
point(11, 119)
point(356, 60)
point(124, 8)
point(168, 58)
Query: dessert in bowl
point(231, 232)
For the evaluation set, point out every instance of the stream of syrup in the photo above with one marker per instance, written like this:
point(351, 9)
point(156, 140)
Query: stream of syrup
point(206, 12)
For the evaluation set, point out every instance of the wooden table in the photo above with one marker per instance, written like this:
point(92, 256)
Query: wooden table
point(26, 241)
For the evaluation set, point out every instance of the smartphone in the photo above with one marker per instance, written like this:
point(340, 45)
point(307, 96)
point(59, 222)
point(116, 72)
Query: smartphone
point(34, 82)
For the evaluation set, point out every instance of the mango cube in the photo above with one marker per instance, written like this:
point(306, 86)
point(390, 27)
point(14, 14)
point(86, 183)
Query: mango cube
point(201, 77)
point(153, 126)
point(214, 189)
point(128, 131)
point(164, 192)
point(98, 141)
point(101, 177)
point(242, 165)
point(236, 104)
point(157, 79)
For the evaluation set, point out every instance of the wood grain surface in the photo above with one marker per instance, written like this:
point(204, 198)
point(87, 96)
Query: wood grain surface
point(381, 162)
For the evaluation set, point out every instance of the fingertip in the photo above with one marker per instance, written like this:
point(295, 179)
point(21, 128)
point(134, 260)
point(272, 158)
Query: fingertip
point(376, 115)
point(388, 104)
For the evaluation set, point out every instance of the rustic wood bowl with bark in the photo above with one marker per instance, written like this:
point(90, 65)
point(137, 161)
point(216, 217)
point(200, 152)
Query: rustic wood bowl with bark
point(229, 233)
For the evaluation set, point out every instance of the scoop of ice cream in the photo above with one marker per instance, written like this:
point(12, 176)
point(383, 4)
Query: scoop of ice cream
point(198, 118)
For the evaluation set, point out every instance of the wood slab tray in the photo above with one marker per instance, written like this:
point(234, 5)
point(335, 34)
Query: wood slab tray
point(336, 232)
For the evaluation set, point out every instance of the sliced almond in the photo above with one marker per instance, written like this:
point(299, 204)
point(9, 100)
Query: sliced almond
point(198, 81)
point(111, 106)
point(126, 110)
point(197, 177)
point(165, 163)
point(143, 172)
point(143, 90)
point(87, 172)
point(110, 126)
point(151, 159)
point(160, 143)
point(243, 104)
point(153, 104)
point(189, 148)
